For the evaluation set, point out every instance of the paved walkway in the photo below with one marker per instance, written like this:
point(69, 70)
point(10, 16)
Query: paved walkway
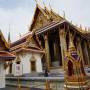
point(15, 88)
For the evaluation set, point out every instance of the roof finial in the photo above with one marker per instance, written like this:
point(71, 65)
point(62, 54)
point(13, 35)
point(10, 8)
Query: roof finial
point(80, 26)
point(50, 5)
point(85, 29)
point(36, 2)
point(88, 29)
point(63, 14)
point(44, 3)
point(71, 21)
point(20, 35)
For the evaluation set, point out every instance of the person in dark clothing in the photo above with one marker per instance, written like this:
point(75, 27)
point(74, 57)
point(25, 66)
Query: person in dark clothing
point(46, 72)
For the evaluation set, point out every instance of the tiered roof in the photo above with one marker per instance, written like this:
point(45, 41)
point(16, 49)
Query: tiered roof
point(50, 26)
point(28, 42)
point(50, 20)
point(45, 16)
point(43, 20)
point(5, 55)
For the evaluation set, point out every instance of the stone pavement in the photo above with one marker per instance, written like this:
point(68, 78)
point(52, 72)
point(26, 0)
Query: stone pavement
point(15, 88)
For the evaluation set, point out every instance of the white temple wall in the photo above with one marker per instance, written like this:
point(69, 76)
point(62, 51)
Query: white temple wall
point(25, 59)
point(38, 62)
point(2, 75)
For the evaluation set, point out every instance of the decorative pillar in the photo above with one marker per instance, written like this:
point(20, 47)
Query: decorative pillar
point(62, 35)
point(75, 76)
point(86, 52)
point(88, 46)
point(47, 53)
point(79, 48)
point(83, 51)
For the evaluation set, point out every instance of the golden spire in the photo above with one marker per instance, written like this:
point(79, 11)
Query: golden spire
point(20, 35)
point(50, 5)
point(71, 21)
point(88, 29)
point(85, 30)
point(36, 2)
point(63, 14)
point(44, 4)
point(80, 26)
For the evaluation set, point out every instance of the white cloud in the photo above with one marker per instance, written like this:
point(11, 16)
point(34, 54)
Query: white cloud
point(76, 10)
point(17, 20)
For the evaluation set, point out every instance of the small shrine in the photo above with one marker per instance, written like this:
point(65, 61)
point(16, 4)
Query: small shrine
point(75, 76)
point(5, 56)
point(28, 55)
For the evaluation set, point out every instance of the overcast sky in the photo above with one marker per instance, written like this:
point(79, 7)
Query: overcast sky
point(16, 15)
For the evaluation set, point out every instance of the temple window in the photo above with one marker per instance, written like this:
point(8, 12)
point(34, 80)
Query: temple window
point(33, 66)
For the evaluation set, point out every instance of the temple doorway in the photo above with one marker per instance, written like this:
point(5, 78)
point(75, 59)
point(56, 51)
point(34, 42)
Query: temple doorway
point(33, 66)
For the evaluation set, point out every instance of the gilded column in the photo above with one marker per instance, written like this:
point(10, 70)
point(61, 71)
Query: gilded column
point(47, 53)
point(86, 52)
point(62, 35)
point(88, 44)
point(80, 49)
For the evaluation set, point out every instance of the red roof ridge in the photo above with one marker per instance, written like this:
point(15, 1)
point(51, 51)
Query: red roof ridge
point(7, 52)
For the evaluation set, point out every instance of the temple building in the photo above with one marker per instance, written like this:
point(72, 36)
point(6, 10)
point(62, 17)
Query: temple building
point(52, 31)
point(28, 55)
point(5, 59)
point(47, 42)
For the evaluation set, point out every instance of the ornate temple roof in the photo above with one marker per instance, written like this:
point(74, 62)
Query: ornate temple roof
point(29, 42)
point(45, 19)
point(6, 56)
point(3, 41)
point(43, 15)
point(21, 40)
point(54, 24)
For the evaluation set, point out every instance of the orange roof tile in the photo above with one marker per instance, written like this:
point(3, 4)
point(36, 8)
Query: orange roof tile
point(4, 55)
